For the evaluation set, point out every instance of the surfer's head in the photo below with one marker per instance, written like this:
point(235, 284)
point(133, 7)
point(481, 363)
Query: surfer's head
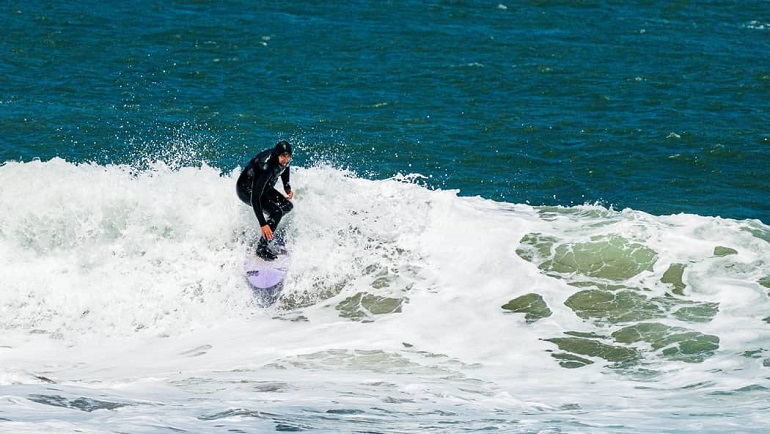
point(283, 152)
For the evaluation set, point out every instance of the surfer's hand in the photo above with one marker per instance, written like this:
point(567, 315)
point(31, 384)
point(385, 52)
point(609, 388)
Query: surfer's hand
point(267, 232)
point(289, 194)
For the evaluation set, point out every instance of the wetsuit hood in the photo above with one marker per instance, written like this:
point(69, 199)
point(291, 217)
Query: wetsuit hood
point(282, 147)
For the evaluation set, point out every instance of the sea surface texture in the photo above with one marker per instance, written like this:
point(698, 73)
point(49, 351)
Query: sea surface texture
point(518, 217)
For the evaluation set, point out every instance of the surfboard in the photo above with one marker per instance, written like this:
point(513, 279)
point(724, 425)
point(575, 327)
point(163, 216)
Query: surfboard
point(266, 277)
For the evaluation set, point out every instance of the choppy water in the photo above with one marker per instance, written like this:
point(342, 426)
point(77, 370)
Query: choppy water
point(529, 217)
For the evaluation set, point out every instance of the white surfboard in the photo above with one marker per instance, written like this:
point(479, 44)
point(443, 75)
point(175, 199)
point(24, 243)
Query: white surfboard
point(266, 277)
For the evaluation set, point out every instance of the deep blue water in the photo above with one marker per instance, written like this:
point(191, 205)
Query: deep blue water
point(658, 106)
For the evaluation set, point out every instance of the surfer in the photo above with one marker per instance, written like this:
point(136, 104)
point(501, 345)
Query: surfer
point(256, 187)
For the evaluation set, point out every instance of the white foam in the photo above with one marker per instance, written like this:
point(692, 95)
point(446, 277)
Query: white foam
point(129, 283)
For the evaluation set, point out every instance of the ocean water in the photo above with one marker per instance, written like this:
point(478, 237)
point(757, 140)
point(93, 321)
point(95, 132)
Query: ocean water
point(518, 217)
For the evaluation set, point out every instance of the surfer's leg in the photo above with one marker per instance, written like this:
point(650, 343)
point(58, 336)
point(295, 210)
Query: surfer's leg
point(276, 206)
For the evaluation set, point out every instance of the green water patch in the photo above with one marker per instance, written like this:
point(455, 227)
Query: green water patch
point(577, 348)
point(621, 350)
point(613, 307)
point(695, 312)
point(364, 306)
point(724, 251)
point(765, 281)
point(674, 276)
point(531, 305)
point(626, 306)
point(610, 257)
point(534, 247)
point(571, 361)
point(675, 343)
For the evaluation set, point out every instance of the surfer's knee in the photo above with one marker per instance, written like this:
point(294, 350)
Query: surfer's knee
point(287, 207)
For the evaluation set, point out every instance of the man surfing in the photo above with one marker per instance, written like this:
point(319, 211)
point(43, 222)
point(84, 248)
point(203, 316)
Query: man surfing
point(256, 187)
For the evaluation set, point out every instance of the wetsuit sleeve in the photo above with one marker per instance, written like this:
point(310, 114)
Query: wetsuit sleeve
point(258, 186)
point(285, 179)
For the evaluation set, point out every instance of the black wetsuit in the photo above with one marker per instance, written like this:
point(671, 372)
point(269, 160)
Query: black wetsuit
point(256, 187)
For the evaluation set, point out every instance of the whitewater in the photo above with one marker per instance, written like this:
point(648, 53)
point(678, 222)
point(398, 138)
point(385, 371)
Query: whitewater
point(124, 308)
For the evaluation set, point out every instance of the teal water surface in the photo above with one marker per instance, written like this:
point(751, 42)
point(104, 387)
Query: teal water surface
point(657, 106)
